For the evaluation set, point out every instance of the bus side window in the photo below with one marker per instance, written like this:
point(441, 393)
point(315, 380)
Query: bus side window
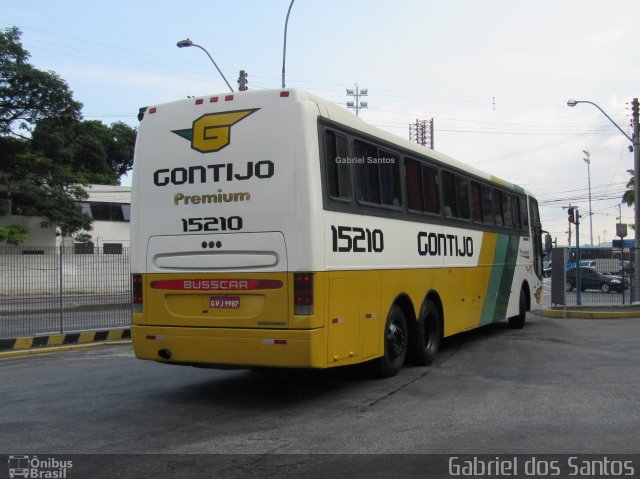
point(389, 169)
point(449, 194)
point(515, 208)
point(431, 189)
point(487, 205)
point(506, 210)
point(422, 185)
point(497, 207)
point(524, 214)
point(462, 197)
point(476, 202)
point(413, 185)
point(367, 173)
point(338, 172)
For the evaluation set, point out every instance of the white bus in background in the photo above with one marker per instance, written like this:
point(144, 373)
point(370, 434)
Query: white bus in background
point(272, 228)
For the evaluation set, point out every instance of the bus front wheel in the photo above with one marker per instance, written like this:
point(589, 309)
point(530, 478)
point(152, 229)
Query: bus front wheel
point(396, 344)
point(426, 340)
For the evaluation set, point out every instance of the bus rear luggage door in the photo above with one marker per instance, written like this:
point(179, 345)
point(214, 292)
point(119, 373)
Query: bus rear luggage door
point(222, 280)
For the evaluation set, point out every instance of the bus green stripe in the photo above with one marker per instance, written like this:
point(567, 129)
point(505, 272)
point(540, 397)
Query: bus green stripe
point(499, 287)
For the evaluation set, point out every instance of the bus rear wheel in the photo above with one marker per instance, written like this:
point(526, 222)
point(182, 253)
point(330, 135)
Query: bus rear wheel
point(396, 344)
point(426, 340)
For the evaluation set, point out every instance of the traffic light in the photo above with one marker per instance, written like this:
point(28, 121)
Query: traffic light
point(572, 218)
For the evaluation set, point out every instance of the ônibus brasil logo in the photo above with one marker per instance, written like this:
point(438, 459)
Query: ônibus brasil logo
point(212, 132)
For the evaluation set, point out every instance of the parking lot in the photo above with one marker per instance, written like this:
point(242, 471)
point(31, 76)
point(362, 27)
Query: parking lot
point(557, 386)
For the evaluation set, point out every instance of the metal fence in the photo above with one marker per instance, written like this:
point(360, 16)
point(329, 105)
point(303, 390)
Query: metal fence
point(594, 276)
point(49, 290)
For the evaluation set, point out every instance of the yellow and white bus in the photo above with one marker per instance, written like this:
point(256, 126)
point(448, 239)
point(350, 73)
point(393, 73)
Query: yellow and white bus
point(274, 229)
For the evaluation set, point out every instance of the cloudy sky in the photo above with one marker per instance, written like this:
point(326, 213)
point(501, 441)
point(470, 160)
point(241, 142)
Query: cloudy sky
point(494, 75)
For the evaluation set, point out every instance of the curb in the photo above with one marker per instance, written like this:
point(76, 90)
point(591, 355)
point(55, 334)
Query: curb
point(591, 314)
point(54, 342)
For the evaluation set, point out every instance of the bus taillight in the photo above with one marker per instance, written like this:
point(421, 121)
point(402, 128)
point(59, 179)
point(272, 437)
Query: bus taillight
point(303, 293)
point(136, 280)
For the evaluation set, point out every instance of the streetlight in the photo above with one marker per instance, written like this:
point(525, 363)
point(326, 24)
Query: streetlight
point(573, 103)
point(635, 147)
point(358, 104)
point(189, 43)
point(284, 46)
point(587, 160)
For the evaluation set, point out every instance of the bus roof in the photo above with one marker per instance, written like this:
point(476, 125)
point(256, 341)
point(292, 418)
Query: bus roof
point(343, 116)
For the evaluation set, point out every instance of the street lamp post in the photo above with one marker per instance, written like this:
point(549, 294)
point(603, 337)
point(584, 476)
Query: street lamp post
point(635, 142)
point(284, 46)
point(189, 43)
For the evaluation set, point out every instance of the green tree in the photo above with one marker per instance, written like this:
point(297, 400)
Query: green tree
point(100, 153)
point(29, 180)
point(33, 184)
point(27, 94)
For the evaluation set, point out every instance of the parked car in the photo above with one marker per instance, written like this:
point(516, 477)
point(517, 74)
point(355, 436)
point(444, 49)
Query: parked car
point(591, 279)
point(546, 269)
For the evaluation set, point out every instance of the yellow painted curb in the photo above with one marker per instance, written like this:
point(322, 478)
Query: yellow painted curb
point(66, 347)
point(577, 314)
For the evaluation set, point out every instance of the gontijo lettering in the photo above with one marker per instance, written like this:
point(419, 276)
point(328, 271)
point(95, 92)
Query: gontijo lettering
point(438, 244)
point(213, 173)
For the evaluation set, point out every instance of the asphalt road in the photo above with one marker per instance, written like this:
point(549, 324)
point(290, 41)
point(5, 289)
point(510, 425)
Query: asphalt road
point(557, 386)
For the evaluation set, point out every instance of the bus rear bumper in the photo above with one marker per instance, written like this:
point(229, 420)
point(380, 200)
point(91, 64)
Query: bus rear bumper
point(230, 347)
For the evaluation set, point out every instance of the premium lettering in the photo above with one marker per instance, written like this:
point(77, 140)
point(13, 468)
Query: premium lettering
point(219, 197)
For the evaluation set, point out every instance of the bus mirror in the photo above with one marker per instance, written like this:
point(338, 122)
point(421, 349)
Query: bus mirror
point(548, 244)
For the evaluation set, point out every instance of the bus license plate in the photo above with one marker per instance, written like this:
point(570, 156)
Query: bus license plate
point(224, 302)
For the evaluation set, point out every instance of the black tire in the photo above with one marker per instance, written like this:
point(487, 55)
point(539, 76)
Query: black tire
point(605, 287)
point(396, 344)
point(424, 344)
point(517, 322)
point(568, 286)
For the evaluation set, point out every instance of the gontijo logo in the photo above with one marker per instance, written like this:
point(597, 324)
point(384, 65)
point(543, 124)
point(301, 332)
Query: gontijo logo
point(212, 132)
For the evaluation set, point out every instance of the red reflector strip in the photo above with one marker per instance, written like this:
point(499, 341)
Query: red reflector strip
point(199, 101)
point(228, 98)
point(153, 110)
point(274, 341)
point(213, 99)
point(155, 338)
point(284, 94)
point(216, 284)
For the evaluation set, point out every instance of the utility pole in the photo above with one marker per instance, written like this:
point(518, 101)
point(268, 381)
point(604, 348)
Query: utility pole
point(587, 160)
point(578, 268)
point(357, 104)
point(635, 107)
point(419, 133)
point(242, 81)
